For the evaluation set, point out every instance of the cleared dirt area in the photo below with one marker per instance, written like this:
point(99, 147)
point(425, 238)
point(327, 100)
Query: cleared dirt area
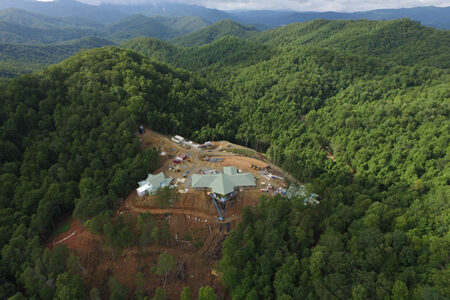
point(98, 261)
point(198, 163)
point(196, 235)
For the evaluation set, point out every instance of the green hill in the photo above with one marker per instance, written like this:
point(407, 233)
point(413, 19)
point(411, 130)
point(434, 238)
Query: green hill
point(156, 27)
point(30, 41)
point(222, 56)
point(215, 32)
point(218, 58)
point(338, 88)
point(73, 110)
point(402, 41)
point(26, 18)
point(138, 26)
point(349, 108)
point(183, 25)
point(22, 27)
point(154, 48)
point(20, 59)
point(19, 34)
point(387, 127)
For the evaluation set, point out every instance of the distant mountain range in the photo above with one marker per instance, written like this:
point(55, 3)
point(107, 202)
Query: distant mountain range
point(156, 26)
point(21, 59)
point(437, 17)
point(19, 26)
point(108, 13)
point(384, 40)
point(30, 41)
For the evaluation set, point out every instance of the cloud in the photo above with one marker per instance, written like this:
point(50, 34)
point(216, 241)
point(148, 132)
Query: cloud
point(298, 5)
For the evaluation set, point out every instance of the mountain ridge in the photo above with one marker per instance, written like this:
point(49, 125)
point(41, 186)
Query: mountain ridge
point(109, 13)
point(357, 111)
point(214, 32)
point(384, 39)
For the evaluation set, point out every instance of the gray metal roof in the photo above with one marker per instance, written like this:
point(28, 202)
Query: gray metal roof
point(156, 180)
point(225, 183)
point(230, 170)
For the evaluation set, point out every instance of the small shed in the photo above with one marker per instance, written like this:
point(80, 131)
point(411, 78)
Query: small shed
point(141, 191)
point(152, 183)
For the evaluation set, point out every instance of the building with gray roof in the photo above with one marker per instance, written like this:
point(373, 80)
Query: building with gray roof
point(224, 184)
point(152, 183)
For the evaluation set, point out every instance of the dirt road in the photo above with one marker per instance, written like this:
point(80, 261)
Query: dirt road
point(180, 211)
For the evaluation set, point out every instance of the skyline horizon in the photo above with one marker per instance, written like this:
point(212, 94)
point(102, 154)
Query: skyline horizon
point(339, 6)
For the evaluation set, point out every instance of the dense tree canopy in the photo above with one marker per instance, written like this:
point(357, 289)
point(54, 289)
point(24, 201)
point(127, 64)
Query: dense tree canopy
point(369, 136)
point(21, 59)
point(366, 128)
point(372, 139)
point(68, 143)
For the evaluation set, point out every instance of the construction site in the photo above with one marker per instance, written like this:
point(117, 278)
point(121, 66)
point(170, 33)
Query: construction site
point(201, 215)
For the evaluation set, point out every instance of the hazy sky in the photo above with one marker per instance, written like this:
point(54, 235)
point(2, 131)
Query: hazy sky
point(301, 5)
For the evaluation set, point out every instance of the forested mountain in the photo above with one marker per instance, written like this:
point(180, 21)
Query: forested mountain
point(427, 16)
point(185, 25)
point(215, 32)
point(379, 230)
point(155, 49)
point(225, 53)
point(402, 41)
point(26, 18)
point(137, 26)
point(359, 111)
point(66, 8)
point(67, 143)
point(382, 39)
point(22, 27)
point(156, 27)
point(21, 59)
point(31, 41)
point(19, 34)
